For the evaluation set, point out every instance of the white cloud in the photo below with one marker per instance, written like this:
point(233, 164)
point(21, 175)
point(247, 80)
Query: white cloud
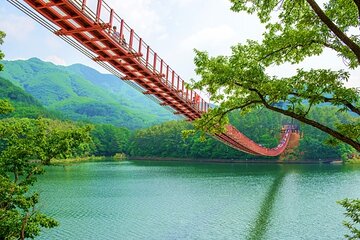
point(209, 37)
point(184, 3)
point(140, 15)
point(56, 60)
point(53, 42)
point(15, 58)
point(354, 80)
point(17, 28)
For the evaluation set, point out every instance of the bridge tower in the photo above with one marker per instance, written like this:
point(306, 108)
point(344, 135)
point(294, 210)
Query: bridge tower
point(291, 153)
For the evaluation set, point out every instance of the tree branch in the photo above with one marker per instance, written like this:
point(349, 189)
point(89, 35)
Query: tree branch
point(349, 105)
point(303, 119)
point(317, 125)
point(309, 108)
point(229, 110)
point(276, 51)
point(291, 47)
point(23, 225)
point(357, 2)
point(342, 36)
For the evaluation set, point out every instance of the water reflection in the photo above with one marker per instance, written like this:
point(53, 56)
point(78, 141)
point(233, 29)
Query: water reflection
point(263, 217)
point(169, 200)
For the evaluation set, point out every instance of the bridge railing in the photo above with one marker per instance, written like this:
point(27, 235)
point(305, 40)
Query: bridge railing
point(100, 12)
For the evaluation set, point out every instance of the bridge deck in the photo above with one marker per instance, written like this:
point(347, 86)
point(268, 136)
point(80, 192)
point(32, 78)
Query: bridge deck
point(95, 29)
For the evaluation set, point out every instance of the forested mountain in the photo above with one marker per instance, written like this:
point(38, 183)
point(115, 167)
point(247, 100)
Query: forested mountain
point(25, 105)
point(82, 93)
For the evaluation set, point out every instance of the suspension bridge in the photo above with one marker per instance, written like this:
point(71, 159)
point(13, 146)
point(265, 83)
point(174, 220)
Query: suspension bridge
point(96, 30)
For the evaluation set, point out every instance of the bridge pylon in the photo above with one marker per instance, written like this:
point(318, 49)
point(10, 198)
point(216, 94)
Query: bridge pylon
point(291, 153)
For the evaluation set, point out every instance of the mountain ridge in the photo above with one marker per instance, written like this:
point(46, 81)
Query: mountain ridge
point(25, 104)
point(82, 93)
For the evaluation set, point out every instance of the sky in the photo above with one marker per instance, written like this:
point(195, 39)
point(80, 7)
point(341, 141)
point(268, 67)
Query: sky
point(173, 28)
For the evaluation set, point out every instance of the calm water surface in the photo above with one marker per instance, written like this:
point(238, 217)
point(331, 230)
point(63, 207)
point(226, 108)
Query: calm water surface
point(167, 200)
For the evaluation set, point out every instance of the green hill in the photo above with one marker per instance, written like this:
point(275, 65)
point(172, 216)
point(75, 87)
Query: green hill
point(25, 104)
point(82, 93)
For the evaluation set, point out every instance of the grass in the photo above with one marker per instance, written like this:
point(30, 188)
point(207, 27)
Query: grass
point(355, 160)
point(77, 160)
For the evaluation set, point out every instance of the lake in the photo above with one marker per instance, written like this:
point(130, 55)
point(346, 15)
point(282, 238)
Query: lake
point(172, 200)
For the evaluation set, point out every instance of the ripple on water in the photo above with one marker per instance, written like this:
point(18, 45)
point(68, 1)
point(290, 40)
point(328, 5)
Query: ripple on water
point(195, 201)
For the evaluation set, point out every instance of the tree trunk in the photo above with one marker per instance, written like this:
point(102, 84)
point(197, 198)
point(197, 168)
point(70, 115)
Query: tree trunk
point(357, 2)
point(23, 226)
point(327, 21)
point(16, 175)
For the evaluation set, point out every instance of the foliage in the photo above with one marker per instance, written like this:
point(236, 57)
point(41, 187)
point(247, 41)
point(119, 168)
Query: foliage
point(5, 107)
point(2, 36)
point(81, 93)
point(302, 29)
point(19, 218)
point(317, 144)
point(20, 140)
point(41, 139)
point(163, 140)
point(107, 138)
point(110, 140)
point(352, 207)
point(23, 141)
point(24, 104)
point(263, 126)
point(120, 156)
point(64, 139)
point(295, 31)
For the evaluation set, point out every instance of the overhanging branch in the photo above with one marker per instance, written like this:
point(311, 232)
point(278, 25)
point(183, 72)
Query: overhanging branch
point(222, 115)
point(341, 35)
point(346, 103)
point(308, 121)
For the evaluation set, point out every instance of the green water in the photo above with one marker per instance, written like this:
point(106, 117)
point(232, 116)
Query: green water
point(167, 200)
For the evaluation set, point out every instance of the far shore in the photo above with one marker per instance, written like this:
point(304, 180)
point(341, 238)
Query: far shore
point(321, 161)
point(193, 160)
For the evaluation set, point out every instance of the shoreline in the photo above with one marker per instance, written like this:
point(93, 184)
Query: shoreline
point(55, 162)
point(192, 160)
point(76, 160)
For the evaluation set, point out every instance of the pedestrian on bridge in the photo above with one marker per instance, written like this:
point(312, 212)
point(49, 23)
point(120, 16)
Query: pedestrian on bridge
point(116, 34)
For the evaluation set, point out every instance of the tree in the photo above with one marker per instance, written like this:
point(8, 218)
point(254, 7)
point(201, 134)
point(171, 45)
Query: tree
point(352, 207)
point(109, 140)
point(22, 141)
point(63, 139)
point(295, 31)
point(2, 36)
point(19, 217)
point(5, 107)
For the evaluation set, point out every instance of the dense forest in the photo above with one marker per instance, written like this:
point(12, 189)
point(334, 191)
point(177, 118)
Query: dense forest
point(167, 140)
point(263, 126)
point(24, 103)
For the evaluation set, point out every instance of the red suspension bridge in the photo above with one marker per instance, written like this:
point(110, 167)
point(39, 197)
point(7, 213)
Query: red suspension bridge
point(93, 28)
